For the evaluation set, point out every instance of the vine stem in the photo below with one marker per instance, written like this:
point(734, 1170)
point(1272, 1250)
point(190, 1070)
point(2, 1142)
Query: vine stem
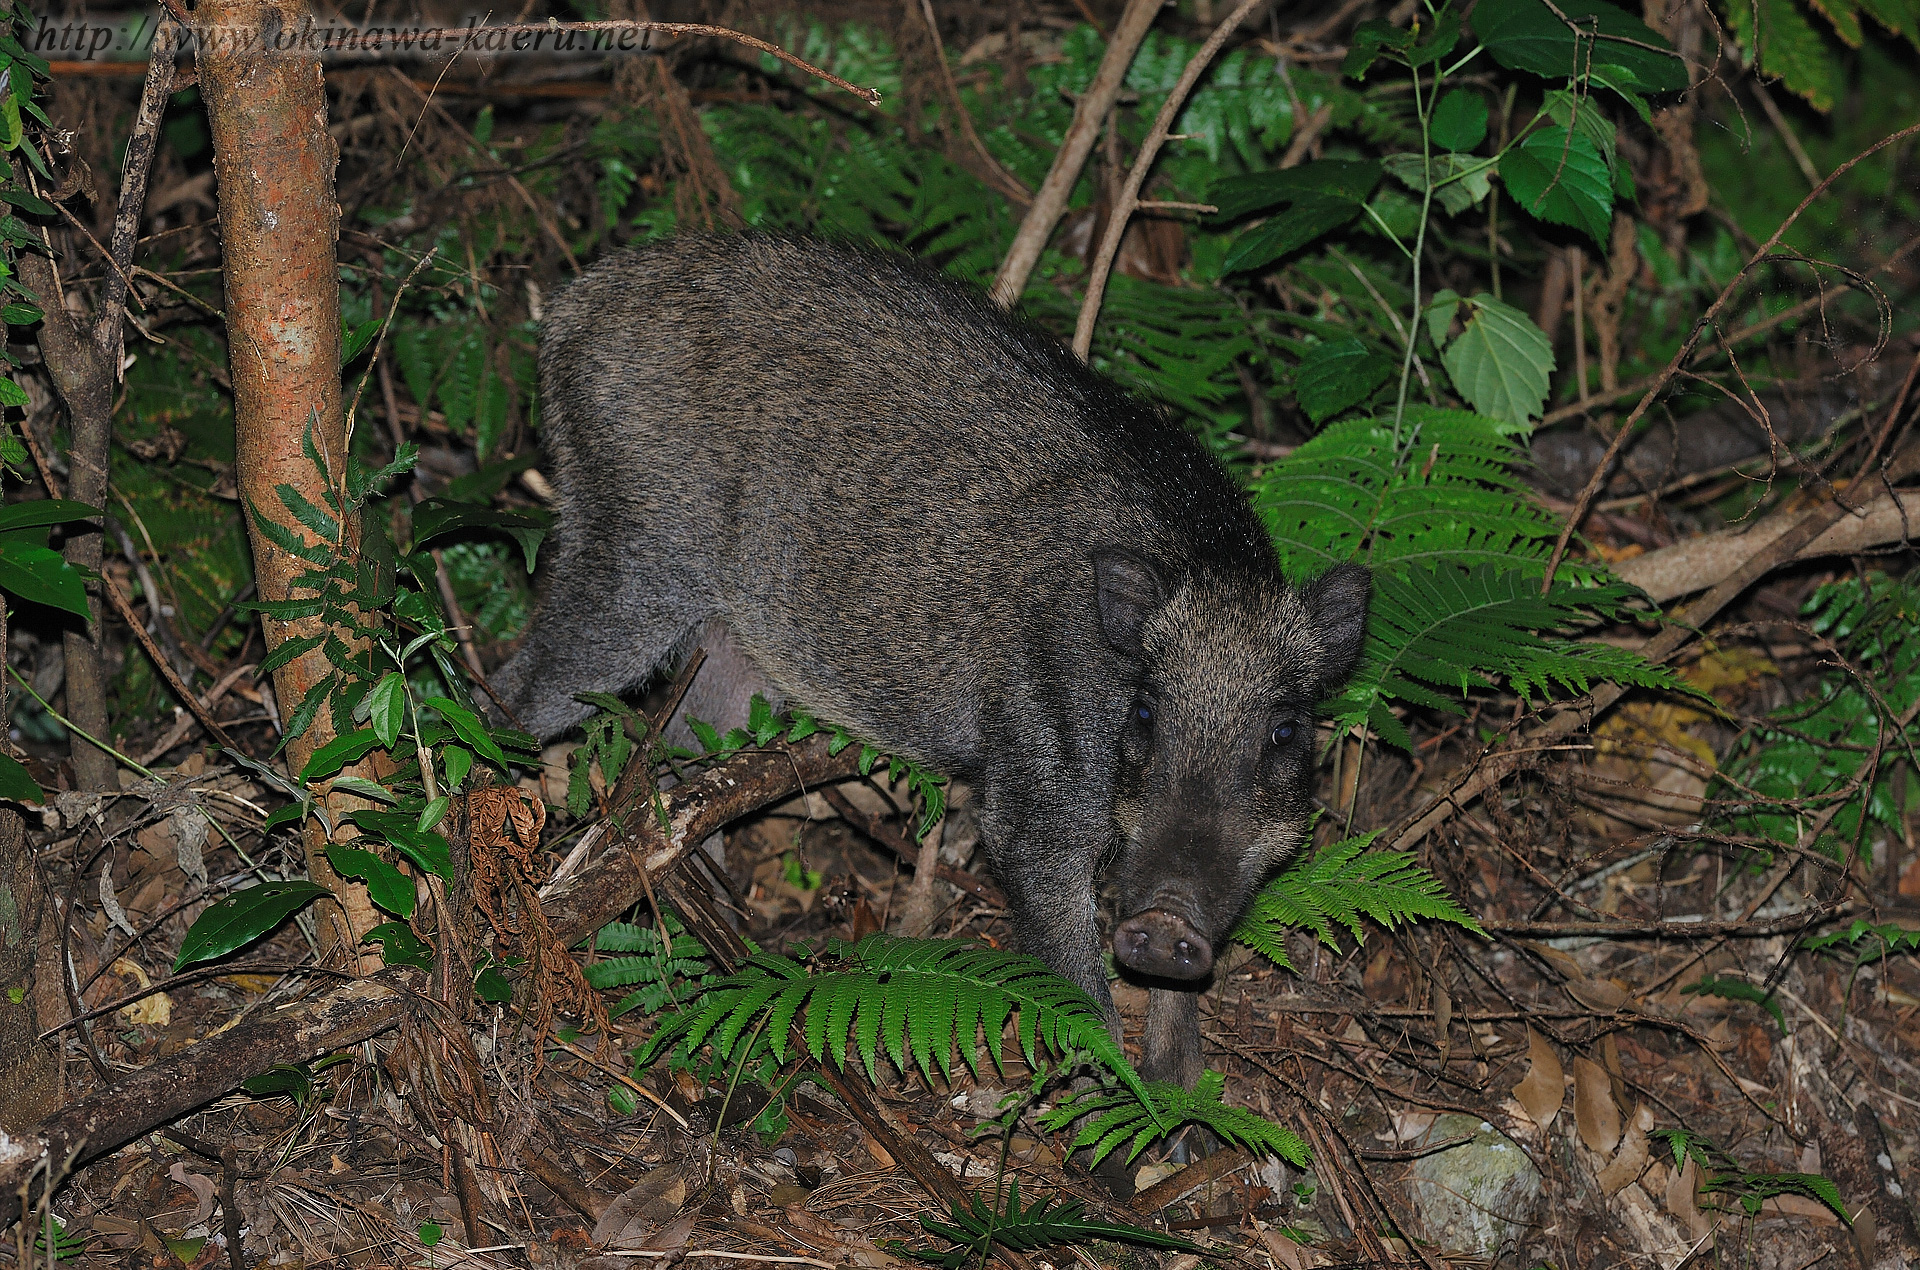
point(1137, 175)
point(1685, 352)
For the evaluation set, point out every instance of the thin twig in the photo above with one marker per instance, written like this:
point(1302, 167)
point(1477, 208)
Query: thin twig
point(1137, 176)
point(1050, 201)
point(1685, 351)
point(199, 710)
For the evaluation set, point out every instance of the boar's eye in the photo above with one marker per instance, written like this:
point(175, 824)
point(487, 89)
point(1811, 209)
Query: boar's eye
point(1143, 712)
point(1284, 731)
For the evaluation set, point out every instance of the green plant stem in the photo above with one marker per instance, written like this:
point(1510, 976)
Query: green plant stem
point(70, 726)
point(1423, 110)
point(733, 1081)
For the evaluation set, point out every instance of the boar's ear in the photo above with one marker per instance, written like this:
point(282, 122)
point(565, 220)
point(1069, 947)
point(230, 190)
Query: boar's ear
point(1337, 608)
point(1128, 592)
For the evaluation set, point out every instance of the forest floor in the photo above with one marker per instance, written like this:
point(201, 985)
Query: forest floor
point(1423, 1068)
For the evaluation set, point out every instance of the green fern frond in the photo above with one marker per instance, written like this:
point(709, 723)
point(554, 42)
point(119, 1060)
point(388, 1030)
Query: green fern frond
point(915, 1000)
point(1438, 631)
point(1117, 1117)
point(1810, 754)
point(653, 971)
point(977, 1226)
point(1338, 886)
point(1444, 488)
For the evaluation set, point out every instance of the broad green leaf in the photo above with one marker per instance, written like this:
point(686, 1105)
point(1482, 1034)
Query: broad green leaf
point(354, 339)
point(467, 726)
point(1337, 375)
point(1500, 362)
point(364, 788)
point(17, 785)
point(1595, 37)
point(428, 850)
point(387, 707)
point(1459, 122)
point(40, 575)
point(1560, 177)
point(399, 946)
point(457, 761)
point(390, 888)
point(45, 511)
point(337, 753)
point(243, 917)
point(282, 1080)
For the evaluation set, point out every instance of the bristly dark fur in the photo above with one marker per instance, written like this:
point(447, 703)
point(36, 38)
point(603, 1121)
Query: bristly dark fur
point(930, 524)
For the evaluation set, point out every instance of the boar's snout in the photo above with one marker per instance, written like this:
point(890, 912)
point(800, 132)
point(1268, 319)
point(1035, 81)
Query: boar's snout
point(1163, 945)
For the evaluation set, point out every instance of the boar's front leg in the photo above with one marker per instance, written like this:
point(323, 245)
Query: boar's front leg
point(1173, 1036)
point(1047, 868)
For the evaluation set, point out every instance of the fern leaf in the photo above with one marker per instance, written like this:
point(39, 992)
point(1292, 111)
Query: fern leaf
point(913, 999)
point(1437, 632)
point(976, 1226)
point(1115, 1116)
point(1338, 886)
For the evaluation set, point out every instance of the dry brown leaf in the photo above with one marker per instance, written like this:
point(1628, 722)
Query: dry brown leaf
point(1284, 1251)
point(1632, 1159)
point(202, 1187)
point(1598, 994)
point(1594, 1112)
point(1442, 1012)
point(1681, 1202)
point(1544, 1088)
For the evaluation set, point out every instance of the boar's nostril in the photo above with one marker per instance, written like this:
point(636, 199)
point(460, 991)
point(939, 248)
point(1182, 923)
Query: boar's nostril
point(1162, 944)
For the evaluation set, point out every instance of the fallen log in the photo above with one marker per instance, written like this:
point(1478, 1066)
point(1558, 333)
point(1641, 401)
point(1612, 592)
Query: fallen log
point(1698, 563)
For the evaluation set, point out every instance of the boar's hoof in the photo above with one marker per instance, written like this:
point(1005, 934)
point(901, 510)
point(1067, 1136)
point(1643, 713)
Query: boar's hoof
point(1163, 945)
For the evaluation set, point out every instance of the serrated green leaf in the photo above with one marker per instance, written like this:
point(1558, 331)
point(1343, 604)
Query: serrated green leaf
point(1558, 176)
point(242, 918)
point(287, 651)
point(1459, 121)
point(1787, 46)
point(323, 526)
point(1584, 37)
point(1501, 362)
point(1337, 375)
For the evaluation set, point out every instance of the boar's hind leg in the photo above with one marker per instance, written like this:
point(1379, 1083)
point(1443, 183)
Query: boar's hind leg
point(1173, 1036)
point(595, 632)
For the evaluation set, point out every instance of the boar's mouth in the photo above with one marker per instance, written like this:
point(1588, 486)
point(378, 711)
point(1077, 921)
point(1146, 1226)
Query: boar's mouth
point(1162, 944)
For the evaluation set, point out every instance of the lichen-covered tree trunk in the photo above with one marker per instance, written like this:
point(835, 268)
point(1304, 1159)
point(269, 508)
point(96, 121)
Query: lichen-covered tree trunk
point(279, 224)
